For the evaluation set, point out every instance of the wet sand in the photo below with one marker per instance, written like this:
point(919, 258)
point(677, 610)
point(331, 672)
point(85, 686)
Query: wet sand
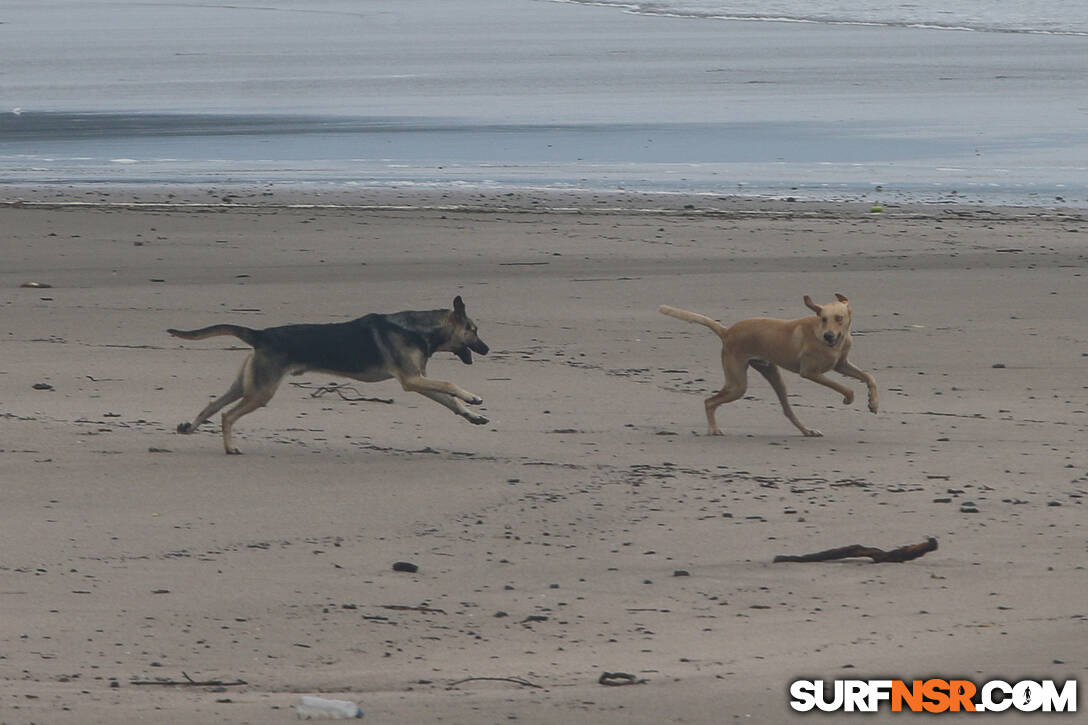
point(552, 544)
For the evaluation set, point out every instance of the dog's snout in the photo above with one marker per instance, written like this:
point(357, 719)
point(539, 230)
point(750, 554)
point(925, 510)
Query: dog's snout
point(480, 346)
point(830, 337)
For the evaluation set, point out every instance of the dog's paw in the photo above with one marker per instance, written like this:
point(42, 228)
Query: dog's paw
point(848, 397)
point(185, 427)
point(714, 432)
point(233, 452)
point(812, 433)
point(873, 406)
point(473, 399)
point(476, 419)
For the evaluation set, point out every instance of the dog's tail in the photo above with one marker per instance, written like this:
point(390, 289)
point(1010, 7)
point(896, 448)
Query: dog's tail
point(686, 316)
point(245, 334)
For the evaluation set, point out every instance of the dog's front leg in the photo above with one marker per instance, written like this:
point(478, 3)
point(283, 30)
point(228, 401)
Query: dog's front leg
point(420, 384)
point(846, 368)
point(847, 393)
point(455, 405)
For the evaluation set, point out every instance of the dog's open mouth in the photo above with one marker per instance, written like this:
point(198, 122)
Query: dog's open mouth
point(465, 353)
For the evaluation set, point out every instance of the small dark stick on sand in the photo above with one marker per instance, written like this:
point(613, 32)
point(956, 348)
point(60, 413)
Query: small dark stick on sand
point(879, 556)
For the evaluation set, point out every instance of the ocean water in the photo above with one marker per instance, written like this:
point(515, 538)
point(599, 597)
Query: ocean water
point(1062, 17)
point(833, 100)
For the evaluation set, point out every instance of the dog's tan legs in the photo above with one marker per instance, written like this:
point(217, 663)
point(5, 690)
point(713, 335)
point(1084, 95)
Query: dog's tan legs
point(261, 377)
point(233, 394)
point(736, 383)
point(248, 405)
point(846, 368)
point(456, 406)
point(846, 393)
point(774, 377)
point(420, 384)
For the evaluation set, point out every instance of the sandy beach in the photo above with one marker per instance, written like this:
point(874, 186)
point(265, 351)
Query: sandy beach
point(591, 527)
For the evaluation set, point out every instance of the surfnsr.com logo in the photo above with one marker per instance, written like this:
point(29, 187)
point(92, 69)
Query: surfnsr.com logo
point(933, 696)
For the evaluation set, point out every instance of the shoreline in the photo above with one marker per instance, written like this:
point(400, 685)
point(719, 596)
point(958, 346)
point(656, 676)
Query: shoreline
point(513, 199)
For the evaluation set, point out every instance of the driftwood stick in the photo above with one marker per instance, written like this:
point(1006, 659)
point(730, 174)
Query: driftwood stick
point(515, 680)
point(409, 608)
point(879, 556)
point(618, 679)
point(190, 682)
point(339, 390)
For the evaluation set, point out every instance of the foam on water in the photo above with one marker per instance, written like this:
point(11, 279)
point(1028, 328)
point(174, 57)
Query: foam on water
point(1059, 17)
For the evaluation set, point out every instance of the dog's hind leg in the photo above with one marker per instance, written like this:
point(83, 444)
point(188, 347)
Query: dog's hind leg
point(774, 377)
point(736, 383)
point(261, 377)
point(455, 405)
point(233, 394)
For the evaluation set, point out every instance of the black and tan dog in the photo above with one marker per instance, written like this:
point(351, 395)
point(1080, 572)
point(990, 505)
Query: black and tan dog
point(809, 346)
point(371, 348)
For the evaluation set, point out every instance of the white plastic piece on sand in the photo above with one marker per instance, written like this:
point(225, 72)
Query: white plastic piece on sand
point(318, 708)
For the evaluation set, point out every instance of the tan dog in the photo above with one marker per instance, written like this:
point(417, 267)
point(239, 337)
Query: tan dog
point(810, 347)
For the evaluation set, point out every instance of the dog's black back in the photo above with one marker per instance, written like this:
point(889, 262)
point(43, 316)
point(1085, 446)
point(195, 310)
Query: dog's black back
point(354, 347)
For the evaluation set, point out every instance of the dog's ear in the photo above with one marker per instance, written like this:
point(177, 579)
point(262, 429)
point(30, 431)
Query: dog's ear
point(458, 306)
point(812, 305)
point(841, 298)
